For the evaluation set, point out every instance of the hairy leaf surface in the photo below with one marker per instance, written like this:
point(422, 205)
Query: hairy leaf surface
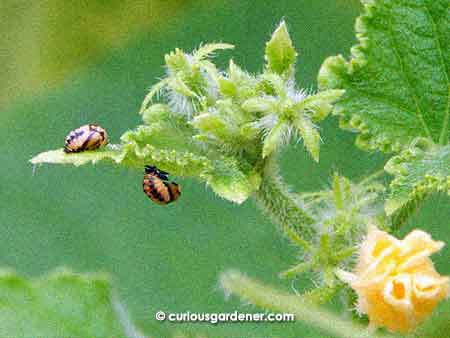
point(280, 53)
point(397, 80)
point(224, 175)
point(419, 170)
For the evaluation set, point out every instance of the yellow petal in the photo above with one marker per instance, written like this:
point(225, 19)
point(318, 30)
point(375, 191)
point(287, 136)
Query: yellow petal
point(395, 280)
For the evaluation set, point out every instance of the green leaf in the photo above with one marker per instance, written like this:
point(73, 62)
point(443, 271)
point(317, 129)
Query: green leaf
point(58, 156)
point(166, 144)
point(209, 49)
point(229, 181)
point(238, 84)
point(296, 270)
point(156, 113)
point(215, 125)
point(280, 53)
point(154, 90)
point(209, 123)
point(223, 175)
point(165, 141)
point(310, 135)
point(167, 131)
point(401, 216)
point(179, 85)
point(176, 162)
point(419, 170)
point(62, 304)
point(320, 295)
point(260, 104)
point(320, 104)
point(397, 81)
point(177, 61)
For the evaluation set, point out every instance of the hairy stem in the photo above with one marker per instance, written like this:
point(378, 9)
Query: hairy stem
point(283, 206)
point(376, 175)
point(124, 317)
point(268, 298)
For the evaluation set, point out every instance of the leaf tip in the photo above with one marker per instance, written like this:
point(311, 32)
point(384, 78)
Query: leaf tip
point(51, 156)
point(280, 52)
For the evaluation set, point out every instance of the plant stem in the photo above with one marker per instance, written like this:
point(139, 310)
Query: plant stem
point(124, 317)
point(373, 176)
point(268, 298)
point(282, 206)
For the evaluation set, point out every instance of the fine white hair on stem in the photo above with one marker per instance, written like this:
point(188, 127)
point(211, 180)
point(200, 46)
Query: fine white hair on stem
point(128, 327)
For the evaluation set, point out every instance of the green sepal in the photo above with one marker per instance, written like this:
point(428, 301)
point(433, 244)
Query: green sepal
point(274, 138)
point(260, 105)
point(319, 105)
point(237, 83)
point(310, 135)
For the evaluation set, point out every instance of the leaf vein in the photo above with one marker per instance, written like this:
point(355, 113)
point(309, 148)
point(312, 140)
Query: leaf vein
point(404, 74)
point(388, 101)
point(437, 37)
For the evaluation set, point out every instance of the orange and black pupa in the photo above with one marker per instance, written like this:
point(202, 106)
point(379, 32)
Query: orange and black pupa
point(158, 187)
point(87, 137)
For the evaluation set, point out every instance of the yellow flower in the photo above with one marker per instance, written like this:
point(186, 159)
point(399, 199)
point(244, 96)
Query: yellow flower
point(396, 282)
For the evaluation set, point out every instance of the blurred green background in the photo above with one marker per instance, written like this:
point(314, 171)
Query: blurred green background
point(70, 63)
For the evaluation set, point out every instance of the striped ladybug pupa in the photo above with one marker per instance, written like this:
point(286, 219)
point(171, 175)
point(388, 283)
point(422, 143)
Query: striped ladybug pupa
point(158, 187)
point(87, 137)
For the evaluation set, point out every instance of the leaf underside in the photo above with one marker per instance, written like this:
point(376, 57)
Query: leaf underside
point(223, 175)
point(62, 304)
point(418, 172)
point(397, 81)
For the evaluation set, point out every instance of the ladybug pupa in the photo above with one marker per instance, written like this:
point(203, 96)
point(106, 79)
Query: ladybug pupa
point(158, 187)
point(87, 137)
